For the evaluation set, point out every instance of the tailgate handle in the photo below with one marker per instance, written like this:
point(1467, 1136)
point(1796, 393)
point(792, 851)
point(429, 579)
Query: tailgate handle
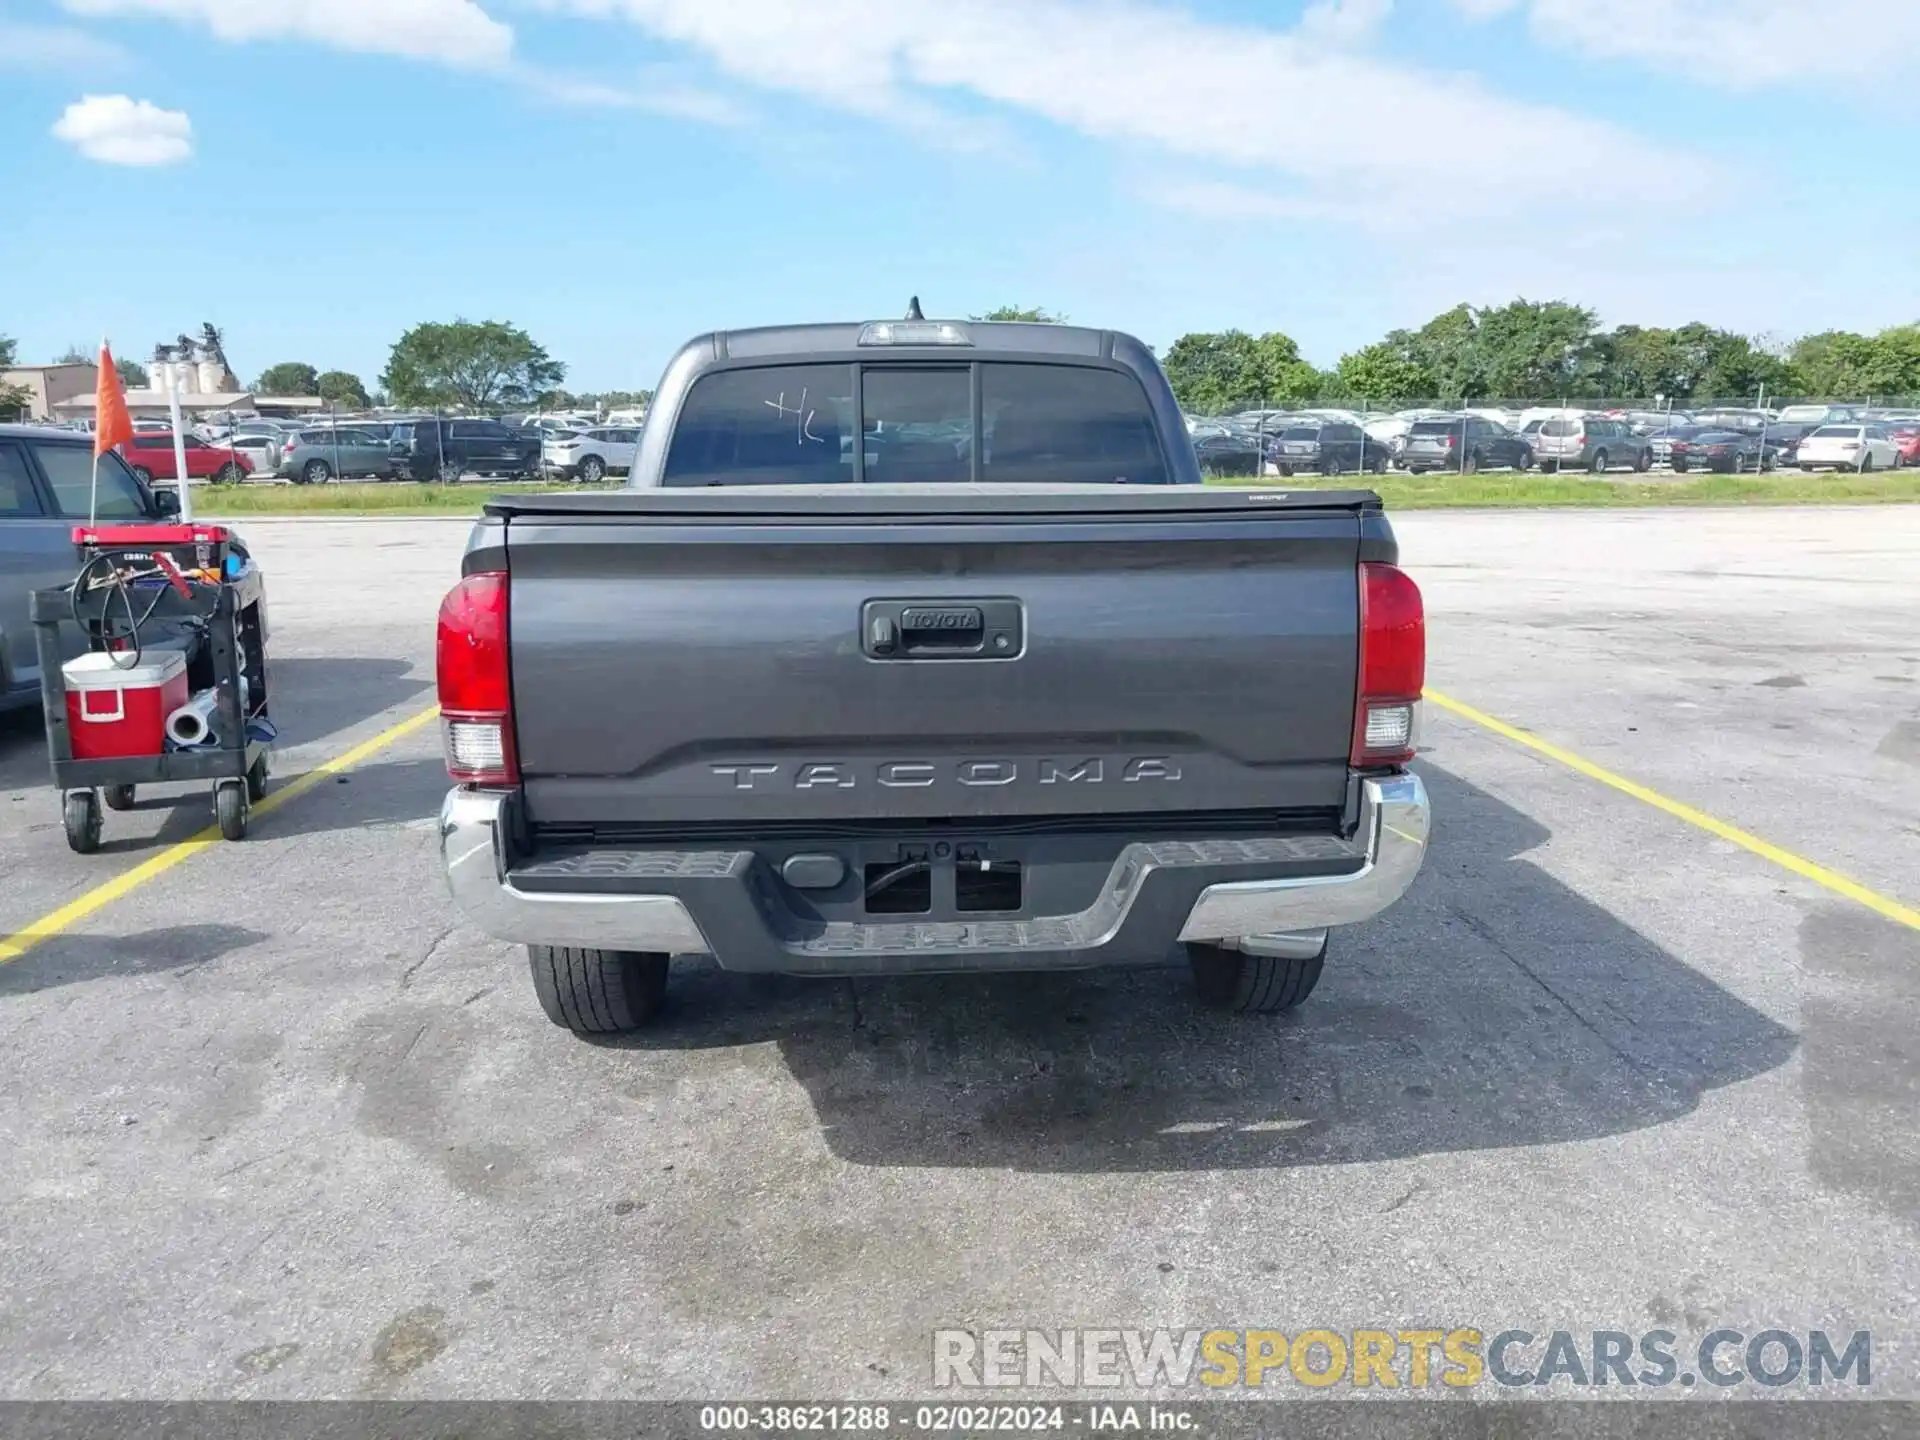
point(942, 629)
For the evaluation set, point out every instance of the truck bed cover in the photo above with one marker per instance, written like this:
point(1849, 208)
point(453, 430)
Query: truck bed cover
point(973, 502)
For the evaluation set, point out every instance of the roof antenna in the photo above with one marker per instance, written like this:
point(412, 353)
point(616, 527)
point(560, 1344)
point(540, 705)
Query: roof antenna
point(913, 309)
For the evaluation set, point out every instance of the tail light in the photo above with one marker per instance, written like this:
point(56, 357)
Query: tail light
point(476, 694)
point(1452, 440)
point(289, 447)
point(1393, 666)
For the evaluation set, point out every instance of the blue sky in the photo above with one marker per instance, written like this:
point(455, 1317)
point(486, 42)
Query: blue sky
point(615, 175)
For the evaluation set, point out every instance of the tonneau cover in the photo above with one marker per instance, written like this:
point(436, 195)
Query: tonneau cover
point(972, 502)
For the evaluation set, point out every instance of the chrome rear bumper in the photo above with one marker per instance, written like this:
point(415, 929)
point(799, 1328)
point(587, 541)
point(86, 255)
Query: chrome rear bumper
point(1268, 916)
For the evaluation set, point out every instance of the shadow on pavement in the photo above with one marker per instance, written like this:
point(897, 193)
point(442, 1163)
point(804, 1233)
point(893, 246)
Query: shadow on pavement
point(315, 696)
point(72, 959)
point(1492, 1008)
point(387, 792)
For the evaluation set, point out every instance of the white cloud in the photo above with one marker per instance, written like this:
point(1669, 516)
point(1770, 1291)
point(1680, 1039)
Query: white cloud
point(119, 130)
point(57, 47)
point(1342, 22)
point(1733, 44)
point(454, 32)
point(1232, 94)
point(657, 92)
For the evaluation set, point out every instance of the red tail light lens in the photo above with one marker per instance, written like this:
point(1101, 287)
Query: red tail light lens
point(1393, 666)
point(476, 691)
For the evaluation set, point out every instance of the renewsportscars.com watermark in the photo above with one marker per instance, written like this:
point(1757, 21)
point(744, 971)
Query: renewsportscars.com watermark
point(1457, 1359)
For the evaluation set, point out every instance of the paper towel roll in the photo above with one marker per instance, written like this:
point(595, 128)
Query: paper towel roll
point(192, 723)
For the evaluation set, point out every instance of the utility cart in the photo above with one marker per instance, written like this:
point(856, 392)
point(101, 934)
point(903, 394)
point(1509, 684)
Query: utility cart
point(170, 682)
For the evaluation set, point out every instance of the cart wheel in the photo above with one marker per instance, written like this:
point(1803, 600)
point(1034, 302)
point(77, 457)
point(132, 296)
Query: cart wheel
point(231, 807)
point(257, 778)
point(81, 810)
point(118, 797)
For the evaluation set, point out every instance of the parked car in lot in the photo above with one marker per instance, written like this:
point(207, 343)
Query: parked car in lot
point(1814, 416)
point(1905, 435)
point(1327, 448)
point(327, 452)
point(48, 482)
point(262, 450)
point(1848, 447)
point(1661, 442)
point(1727, 451)
point(448, 449)
point(628, 787)
point(1736, 419)
point(150, 454)
point(1590, 442)
point(1226, 451)
point(590, 455)
point(1466, 444)
point(1783, 441)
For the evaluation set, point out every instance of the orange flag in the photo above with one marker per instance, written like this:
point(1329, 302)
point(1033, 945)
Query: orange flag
point(111, 423)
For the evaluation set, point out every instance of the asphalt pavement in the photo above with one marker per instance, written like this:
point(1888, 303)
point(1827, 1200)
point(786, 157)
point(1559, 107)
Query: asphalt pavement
point(278, 1125)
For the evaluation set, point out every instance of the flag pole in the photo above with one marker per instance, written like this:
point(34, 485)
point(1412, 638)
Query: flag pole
point(179, 443)
point(93, 495)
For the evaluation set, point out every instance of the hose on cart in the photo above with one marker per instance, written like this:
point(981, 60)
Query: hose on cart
point(116, 584)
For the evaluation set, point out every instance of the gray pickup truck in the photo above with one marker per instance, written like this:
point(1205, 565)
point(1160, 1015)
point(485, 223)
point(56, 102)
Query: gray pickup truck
point(918, 647)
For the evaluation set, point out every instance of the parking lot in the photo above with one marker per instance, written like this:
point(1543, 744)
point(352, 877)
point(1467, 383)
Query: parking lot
point(277, 1125)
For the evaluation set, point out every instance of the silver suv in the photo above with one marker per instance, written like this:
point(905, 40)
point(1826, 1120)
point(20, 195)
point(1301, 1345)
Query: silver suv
point(325, 452)
point(1590, 442)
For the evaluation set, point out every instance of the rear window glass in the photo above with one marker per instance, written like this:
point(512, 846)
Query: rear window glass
point(1837, 432)
point(1560, 428)
point(1069, 423)
point(794, 424)
point(775, 425)
point(1302, 432)
point(1436, 427)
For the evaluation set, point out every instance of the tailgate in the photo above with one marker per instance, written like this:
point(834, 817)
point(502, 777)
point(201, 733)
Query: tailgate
point(671, 670)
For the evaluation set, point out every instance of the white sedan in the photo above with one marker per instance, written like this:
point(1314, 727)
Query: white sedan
point(1848, 447)
point(590, 455)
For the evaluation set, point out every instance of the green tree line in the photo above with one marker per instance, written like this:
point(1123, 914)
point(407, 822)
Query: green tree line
point(1540, 350)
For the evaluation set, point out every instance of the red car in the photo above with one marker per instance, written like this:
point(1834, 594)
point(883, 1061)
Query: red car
point(1906, 440)
point(150, 453)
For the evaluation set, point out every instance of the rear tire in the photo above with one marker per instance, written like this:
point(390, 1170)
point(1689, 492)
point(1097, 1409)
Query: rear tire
point(1599, 466)
point(1866, 463)
point(81, 812)
point(1643, 462)
point(598, 992)
point(449, 472)
point(231, 809)
point(316, 472)
point(1549, 467)
point(592, 470)
point(1252, 984)
point(229, 474)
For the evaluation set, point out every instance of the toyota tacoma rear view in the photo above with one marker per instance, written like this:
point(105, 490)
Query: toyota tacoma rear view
point(918, 646)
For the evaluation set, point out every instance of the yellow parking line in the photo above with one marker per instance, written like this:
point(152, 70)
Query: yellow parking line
point(1766, 850)
point(17, 944)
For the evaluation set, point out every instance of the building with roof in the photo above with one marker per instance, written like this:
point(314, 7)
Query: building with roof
point(48, 386)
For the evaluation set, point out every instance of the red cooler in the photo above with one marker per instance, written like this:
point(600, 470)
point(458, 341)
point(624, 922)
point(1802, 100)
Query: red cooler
point(113, 712)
